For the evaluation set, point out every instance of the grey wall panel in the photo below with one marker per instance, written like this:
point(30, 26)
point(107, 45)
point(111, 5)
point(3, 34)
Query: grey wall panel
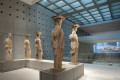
point(2, 46)
point(19, 52)
point(32, 19)
point(6, 16)
point(85, 52)
point(20, 17)
point(32, 43)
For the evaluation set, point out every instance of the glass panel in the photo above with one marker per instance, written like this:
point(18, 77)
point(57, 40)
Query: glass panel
point(60, 3)
point(101, 1)
point(116, 14)
point(66, 8)
point(106, 13)
point(58, 10)
point(86, 22)
point(91, 10)
point(45, 3)
point(89, 17)
point(75, 14)
point(81, 19)
point(92, 21)
point(53, 1)
point(104, 10)
point(116, 11)
point(74, 20)
point(86, 1)
point(52, 7)
point(63, 13)
point(84, 12)
point(70, 11)
point(115, 7)
point(114, 4)
point(108, 18)
point(79, 8)
point(99, 19)
point(89, 5)
point(70, 1)
point(98, 15)
point(71, 18)
point(102, 7)
point(76, 4)
point(96, 12)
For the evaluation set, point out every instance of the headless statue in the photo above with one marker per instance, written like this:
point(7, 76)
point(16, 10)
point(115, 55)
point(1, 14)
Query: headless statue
point(27, 47)
point(39, 51)
point(8, 47)
point(74, 44)
point(57, 42)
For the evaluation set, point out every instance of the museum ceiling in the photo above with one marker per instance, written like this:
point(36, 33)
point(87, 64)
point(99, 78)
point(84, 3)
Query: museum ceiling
point(85, 12)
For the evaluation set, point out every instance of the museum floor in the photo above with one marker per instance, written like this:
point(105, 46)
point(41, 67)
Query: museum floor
point(92, 72)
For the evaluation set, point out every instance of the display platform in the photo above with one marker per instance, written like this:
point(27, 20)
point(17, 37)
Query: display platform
point(41, 65)
point(71, 72)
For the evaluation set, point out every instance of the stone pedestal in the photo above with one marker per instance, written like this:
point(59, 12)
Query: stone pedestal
point(72, 72)
point(11, 65)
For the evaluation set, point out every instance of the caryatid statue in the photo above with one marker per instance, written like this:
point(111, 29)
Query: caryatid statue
point(27, 46)
point(74, 44)
point(39, 51)
point(57, 42)
point(8, 47)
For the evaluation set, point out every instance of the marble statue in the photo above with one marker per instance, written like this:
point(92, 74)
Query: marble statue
point(8, 47)
point(57, 41)
point(27, 47)
point(74, 44)
point(39, 51)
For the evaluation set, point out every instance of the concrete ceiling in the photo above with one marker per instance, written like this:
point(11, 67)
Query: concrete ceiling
point(112, 25)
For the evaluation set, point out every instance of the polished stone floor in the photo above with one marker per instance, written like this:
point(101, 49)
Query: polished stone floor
point(92, 72)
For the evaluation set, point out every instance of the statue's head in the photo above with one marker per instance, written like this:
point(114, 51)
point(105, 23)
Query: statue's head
point(38, 34)
point(9, 34)
point(27, 35)
point(58, 19)
point(74, 27)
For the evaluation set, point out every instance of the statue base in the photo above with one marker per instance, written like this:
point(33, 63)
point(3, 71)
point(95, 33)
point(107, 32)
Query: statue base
point(68, 73)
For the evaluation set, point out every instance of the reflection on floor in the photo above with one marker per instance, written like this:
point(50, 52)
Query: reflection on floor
point(106, 63)
point(92, 72)
point(99, 72)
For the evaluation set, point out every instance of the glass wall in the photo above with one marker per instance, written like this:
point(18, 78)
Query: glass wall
point(106, 53)
point(109, 47)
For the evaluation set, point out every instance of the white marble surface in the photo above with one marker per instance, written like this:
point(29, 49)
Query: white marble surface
point(92, 72)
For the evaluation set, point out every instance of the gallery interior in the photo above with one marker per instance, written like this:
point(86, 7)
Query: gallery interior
point(59, 39)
